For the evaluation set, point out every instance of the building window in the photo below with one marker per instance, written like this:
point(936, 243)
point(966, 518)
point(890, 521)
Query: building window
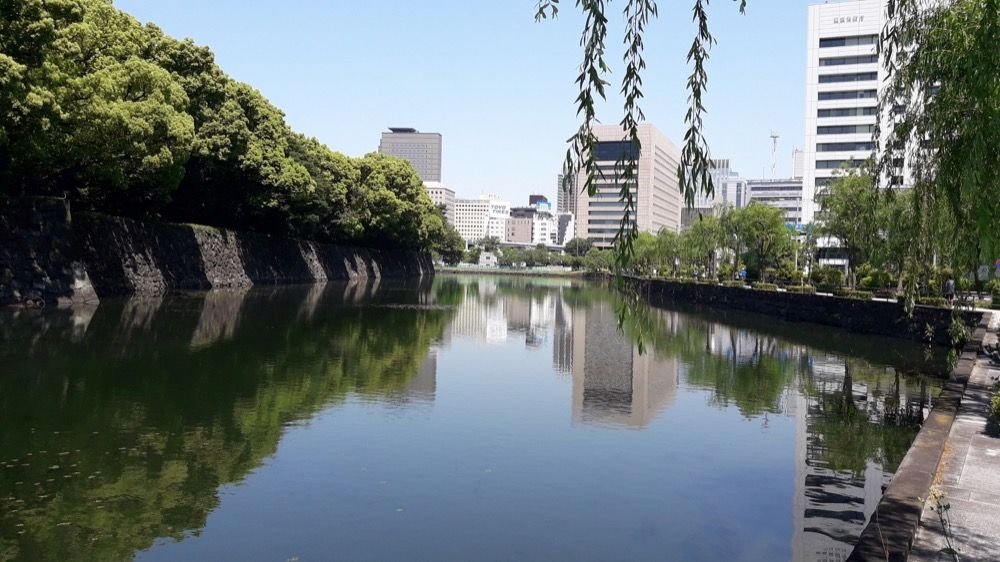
point(847, 95)
point(616, 150)
point(840, 61)
point(845, 129)
point(835, 164)
point(846, 112)
point(844, 146)
point(849, 41)
point(852, 77)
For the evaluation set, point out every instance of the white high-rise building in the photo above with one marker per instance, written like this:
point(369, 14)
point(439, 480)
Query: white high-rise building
point(657, 198)
point(842, 81)
point(480, 218)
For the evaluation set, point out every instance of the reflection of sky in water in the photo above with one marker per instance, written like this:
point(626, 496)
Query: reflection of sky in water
point(486, 418)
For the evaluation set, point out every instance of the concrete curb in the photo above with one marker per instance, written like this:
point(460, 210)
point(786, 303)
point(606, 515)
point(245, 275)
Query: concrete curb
point(890, 531)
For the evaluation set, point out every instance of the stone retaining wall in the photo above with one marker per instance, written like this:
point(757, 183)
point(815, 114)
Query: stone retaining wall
point(891, 528)
point(859, 316)
point(38, 263)
point(49, 256)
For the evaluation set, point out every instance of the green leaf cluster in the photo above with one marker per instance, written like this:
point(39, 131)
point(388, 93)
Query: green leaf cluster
point(123, 119)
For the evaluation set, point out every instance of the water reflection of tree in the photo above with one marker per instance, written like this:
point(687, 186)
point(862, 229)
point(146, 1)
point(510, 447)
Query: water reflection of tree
point(853, 430)
point(847, 431)
point(99, 457)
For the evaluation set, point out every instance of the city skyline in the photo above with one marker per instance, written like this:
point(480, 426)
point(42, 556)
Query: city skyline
point(528, 99)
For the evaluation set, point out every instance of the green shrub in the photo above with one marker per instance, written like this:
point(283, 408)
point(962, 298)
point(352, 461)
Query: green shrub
point(933, 301)
point(885, 293)
point(876, 279)
point(827, 277)
point(995, 408)
point(765, 286)
point(826, 287)
point(739, 284)
point(802, 289)
point(857, 295)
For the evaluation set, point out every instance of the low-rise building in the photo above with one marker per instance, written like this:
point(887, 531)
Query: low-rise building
point(480, 218)
point(440, 194)
point(784, 194)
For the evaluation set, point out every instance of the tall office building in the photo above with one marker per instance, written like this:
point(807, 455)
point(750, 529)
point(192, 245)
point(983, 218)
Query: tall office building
point(566, 195)
point(842, 81)
point(657, 197)
point(421, 150)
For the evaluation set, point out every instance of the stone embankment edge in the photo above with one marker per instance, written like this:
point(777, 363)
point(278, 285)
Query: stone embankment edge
point(858, 316)
point(50, 256)
point(890, 531)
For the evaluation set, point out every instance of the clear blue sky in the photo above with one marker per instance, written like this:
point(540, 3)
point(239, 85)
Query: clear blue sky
point(497, 85)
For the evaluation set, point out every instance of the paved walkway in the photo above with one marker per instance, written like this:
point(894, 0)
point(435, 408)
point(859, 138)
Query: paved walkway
point(969, 478)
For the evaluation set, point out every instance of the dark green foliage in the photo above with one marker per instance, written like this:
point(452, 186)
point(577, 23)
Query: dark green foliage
point(827, 278)
point(578, 246)
point(125, 120)
point(765, 286)
point(933, 301)
point(853, 294)
point(801, 289)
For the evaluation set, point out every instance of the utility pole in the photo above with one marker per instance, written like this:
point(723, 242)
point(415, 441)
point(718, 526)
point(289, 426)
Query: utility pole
point(774, 151)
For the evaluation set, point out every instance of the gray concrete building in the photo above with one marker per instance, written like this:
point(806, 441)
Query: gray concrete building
point(784, 194)
point(658, 200)
point(421, 150)
point(566, 195)
point(519, 230)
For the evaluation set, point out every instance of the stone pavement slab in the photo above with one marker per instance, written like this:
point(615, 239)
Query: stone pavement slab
point(969, 479)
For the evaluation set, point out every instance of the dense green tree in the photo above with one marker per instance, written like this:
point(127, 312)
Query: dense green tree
point(578, 247)
point(448, 243)
point(699, 245)
point(942, 101)
point(764, 238)
point(489, 244)
point(126, 120)
point(849, 210)
point(598, 260)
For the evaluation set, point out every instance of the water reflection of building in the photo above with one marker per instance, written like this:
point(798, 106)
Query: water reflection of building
point(491, 314)
point(613, 383)
point(831, 506)
point(562, 337)
point(481, 314)
point(423, 385)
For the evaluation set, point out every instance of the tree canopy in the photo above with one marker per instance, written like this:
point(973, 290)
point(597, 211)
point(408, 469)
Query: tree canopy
point(123, 119)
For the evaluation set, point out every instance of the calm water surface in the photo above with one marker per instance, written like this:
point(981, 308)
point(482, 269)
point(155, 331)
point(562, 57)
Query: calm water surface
point(470, 418)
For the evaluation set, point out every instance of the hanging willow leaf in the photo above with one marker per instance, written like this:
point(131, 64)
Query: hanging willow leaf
point(694, 170)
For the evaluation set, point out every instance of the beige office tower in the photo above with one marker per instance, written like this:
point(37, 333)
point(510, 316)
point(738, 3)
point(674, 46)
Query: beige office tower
point(658, 201)
point(421, 150)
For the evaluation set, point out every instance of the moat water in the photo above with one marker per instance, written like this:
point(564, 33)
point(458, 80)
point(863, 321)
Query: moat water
point(483, 418)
